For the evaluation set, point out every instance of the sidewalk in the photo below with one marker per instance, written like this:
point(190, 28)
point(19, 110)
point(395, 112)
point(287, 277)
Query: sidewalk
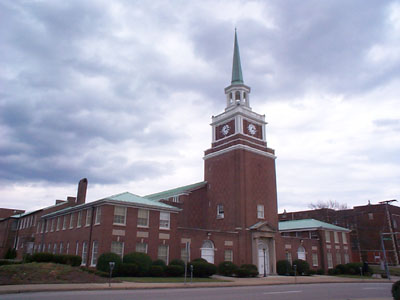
point(270, 280)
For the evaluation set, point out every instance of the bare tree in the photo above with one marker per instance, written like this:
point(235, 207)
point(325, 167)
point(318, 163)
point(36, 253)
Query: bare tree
point(332, 204)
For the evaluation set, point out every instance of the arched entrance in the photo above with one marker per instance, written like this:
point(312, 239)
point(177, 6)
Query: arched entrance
point(263, 258)
point(207, 251)
point(301, 253)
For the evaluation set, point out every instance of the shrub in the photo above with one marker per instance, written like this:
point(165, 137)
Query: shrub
point(177, 262)
point(252, 270)
point(302, 266)
point(142, 260)
point(227, 268)
point(203, 269)
point(9, 262)
point(59, 259)
point(332, 272)
point(27, 258)
point(312, 272)
point(11, 253)
point(159, 262)
point(283, 267)
point(320, 271)
point(42, 257)
point(354, 268)
point(342, 269)
point(200, 260)
point(242, 272)
point(72, 260)
point(103, 263)
point(396, 290)
point(175, 270)
point(156, 271)
point(127, 270)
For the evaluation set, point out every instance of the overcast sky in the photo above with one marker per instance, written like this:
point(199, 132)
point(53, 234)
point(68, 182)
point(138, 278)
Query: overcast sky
point(122, 92)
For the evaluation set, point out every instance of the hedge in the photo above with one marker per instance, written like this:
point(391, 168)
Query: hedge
point(66, 259)
point(175, 270)
point(227, 268)
point(302, 267)
point(203, 269)
point(142, 260)
point(103, 262)
point(247, 270)
point(283, 267)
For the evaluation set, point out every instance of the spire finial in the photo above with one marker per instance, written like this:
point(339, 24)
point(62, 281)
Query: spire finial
point(237, 77)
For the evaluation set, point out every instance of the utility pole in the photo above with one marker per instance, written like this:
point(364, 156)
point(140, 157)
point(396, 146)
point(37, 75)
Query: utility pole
point(389, 219)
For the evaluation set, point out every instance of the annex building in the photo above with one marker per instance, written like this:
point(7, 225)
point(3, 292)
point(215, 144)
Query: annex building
point(229, 216)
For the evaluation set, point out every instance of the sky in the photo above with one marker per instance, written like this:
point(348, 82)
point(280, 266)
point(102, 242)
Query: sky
point(122, 93)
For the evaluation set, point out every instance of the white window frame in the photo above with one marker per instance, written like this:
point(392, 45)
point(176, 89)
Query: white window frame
point(52, 225)
point(220, 211)
point(119, 215)
point(139, 245)
point(115, 250)
point(314, 259)
point(98, 216)
point(344, 238)
point(165, 220)
point(95, 252)
point(71, 221)
point(329, 259)
point(167, 254)
point(336, 237)
point(77, 248)
point(88, 217)
point(338, 258)
point(346, 258)
point(61, 247)
point(228, 255)
point(288, 256)
point(141, 218)
point(67, 249)
point(64, 223)
point(55, 248)
point(79, 221)
point(260, 211)
point(327, 236)
point(58, 223)
point(84, 253)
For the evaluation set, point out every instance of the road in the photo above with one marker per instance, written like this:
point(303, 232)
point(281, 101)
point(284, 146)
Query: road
point(331, 291)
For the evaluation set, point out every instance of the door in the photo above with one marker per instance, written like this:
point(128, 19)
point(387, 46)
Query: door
point(263, 258)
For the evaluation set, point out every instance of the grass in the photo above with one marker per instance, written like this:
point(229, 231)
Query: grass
point(394, 271)
point(354, 276)
point(167, 279)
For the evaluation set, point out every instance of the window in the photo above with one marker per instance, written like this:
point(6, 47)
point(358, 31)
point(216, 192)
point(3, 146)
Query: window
point(65, 223)
point(98, 215)
point(38, 228)
point(119, 215)
point(49, 248)
point(260, 211)
point(61, 248)
point(141, 247)
point(344, 237)
point(71, 221)
point(164, 220)
point(77, 248)
point(336, 237)
point(330, 262)
point(370, 216)
point(185, 254)
point(346, 258)
point(175, 199)
point(95, 251)
point(143, 218)
point(289, 257)
point(328, 236)
point(338, 258)
point(117, 248)
point(88, 216)
point(301, 253)
point(55, 248)
point(228, 255)
point(220, 211)
point(47, 225)
point(58, 223)
point(79, 223)
point(67, 250)
point(163, 253)
point(84, 253)
point(52, 224)
point(315, 260)
point(42, 230)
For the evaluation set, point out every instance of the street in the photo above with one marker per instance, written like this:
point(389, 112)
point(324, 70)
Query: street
point(332, 291)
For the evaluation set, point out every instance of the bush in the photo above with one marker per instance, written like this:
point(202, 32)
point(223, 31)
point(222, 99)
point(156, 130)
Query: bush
point(200, 260)
point(175, 270)
point(11, 253)
point(159, 262)
point(127, 270)
point(396, 290)
point(342, 269)
point(283, 267)
point(354, 268)
point(9, 262)
point(227, 268)
point(203, 269)
point(242, 272)
point(177, 262)
point(333, 272)
point(27, 258)
point(156, 271)
point(42, 257)
point(59, 259)
point(302, 266)
point(312, 272)
point(320, 271)
point(72, 260)
point(142, 260)
point(103, 263)
point(247, 270)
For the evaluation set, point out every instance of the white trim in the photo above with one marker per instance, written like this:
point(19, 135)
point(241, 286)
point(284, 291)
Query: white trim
point(239, 147)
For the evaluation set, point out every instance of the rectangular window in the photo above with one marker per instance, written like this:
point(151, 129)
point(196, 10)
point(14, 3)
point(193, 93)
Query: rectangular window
point(38, 228)
point(67, 250)
point(260, 211)
point(79, 223)
point(42, 230)
point(88, 216)
point(328, 236)
point(338, 258)
point(185, 254)
point(344, 237)
point(77, 248)
point(55, 248)
point(52, 224)
point(117, 248)
point(289, 257)
point(71, 221)
point(61, 248)
point(119, 215)
point(141, 247)
point(336, 237)
point(143, 218)
point(371, 216)
point(65, 223)
point(330, 262)
point(98, 215)
point(49, 248)
point(164, 220)
point(58, 223)
point(220, 211)
point(84, 253)
point(346, 258)
point(228, 255)
point(163, 253)
point(315, 260)
point(95, 251)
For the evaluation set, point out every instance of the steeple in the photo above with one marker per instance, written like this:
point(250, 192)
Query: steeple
point(237, 77)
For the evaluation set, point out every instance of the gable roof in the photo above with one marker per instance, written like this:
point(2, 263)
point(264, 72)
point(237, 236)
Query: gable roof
point(308, 224)
point(135, 199)
point(183, 190)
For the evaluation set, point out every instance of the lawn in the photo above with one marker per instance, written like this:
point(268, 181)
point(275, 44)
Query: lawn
point(167, 279)
point(394, 271)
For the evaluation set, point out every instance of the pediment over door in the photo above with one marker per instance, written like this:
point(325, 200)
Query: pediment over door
point(263, 227)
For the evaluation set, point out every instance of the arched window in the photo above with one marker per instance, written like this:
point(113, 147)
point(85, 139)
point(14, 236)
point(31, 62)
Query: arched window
point(301, 253)
point(207, 251)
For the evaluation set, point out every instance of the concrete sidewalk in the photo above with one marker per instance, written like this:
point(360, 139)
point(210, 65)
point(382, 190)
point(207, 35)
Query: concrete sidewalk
point(270, 280)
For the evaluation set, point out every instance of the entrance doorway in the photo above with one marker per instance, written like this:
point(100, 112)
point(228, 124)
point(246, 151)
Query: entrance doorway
point(207, 251)
point(263, 258)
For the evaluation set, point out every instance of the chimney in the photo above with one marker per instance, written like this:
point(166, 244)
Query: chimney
point(71, 200)
point(82, 187)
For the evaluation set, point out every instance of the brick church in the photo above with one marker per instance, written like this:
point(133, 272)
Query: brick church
point(230, 216)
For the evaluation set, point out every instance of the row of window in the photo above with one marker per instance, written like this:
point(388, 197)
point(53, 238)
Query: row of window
point(335, 236)
point(143, 217)
point(221, 214)
point(302, 255)
point(27, 222)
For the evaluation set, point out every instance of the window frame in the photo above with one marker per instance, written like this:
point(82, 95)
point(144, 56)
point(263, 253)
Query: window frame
point(119, 244)
point(116, 221)
point(95, 253)
point(260, 211)
point(97, 220)
point(139, 250)
point(167, 253)
point(88, 219)
point(220, 211)
point(230, 254)
point(139, 218)
point(167, 220)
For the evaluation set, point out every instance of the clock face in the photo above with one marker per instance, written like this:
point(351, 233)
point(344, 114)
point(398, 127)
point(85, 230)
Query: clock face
point(225, 129)
point(252, 129)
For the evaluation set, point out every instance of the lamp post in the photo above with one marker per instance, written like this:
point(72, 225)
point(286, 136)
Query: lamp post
point(265, 271)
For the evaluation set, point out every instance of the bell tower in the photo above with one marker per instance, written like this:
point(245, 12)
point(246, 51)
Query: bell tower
point(240, 171)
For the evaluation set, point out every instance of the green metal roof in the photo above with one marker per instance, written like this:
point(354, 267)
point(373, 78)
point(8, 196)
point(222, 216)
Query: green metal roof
point(135, 199)
point(308, 224)
point(175, 192)
point(237, 77)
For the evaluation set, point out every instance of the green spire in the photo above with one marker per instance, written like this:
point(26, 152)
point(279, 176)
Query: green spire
point(237, 77)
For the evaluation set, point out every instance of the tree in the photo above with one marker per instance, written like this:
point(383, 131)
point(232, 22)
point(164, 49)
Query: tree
point(332, 204)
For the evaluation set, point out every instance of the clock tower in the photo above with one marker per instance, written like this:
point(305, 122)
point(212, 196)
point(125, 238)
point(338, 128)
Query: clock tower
point(240, 173)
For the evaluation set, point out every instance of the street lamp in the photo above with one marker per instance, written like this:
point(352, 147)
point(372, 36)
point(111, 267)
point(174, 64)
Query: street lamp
point(265, 271)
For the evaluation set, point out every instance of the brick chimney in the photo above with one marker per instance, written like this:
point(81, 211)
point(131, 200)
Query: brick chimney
point(82, 187)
